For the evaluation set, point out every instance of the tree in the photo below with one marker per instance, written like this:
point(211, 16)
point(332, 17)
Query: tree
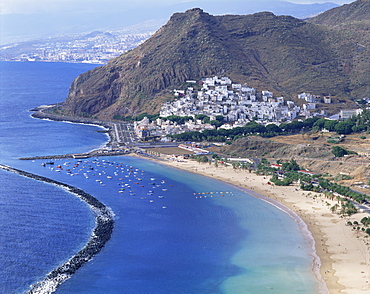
point(206, 120)
point(348, 208)
point(284, 182)
point(294, 126)
point(320, 123)
point(343, 127)
point(216, 123)
point(253, 128)
point(219, 118)
point(179, 119)
point(203, 158)
point(309, 122)
point(365, 221)
point(330, 125)
point(265, 161)
point(339, 151)
point(200, 116)
point(359, 128)
point(272, 128)
point(334, 208)
point(291, 166)
point(207, 133)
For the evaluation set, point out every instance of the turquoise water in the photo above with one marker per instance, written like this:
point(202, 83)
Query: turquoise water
point(166, 238)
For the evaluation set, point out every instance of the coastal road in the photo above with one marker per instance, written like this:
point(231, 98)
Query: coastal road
point(362, 207)
point(124, 133)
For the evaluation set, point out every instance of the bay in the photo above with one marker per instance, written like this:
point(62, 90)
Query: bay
point(166, 239)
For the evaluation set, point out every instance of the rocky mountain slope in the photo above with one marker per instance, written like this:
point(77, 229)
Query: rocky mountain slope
point(277, 53)
point(348, 32)
point(356, 11)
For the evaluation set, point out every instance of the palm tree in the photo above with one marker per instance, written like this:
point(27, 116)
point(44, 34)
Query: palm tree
point(334, 208)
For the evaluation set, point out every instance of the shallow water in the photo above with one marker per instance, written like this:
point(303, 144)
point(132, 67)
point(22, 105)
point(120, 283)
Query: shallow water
point(171, 235)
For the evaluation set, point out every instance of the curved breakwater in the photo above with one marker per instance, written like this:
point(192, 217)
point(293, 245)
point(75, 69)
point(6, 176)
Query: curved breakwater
point(99, 237)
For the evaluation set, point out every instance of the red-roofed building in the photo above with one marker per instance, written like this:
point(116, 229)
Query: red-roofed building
point(277, 166)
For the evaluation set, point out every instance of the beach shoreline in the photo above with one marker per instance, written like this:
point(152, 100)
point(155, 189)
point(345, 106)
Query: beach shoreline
point(341, 258)
point(340, 255)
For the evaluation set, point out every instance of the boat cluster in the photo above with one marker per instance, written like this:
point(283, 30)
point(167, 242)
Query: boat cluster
point(130, 180)
point(212, 194)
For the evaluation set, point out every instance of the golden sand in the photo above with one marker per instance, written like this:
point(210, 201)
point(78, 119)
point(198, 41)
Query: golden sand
point(343, 252)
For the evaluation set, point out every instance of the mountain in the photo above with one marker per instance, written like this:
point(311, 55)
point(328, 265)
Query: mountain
point(348, 32)
point(80, 18)
point(276, 53)
point(356, 11)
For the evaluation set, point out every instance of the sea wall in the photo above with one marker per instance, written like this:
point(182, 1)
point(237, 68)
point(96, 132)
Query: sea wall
point(99, 237)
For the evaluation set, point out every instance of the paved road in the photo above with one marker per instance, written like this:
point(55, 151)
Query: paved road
point(363, 207)
point(124, 133)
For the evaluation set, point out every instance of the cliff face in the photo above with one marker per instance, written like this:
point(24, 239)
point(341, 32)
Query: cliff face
point(277, 53)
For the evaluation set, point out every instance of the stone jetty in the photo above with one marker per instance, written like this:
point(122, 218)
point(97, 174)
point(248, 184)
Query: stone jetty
point(94, 153)
point(99, 237)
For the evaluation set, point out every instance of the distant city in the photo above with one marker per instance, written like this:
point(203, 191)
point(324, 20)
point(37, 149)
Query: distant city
point(96, 47)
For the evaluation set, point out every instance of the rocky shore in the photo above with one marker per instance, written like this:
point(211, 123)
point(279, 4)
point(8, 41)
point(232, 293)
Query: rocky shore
point(44, 112)
point(99, 237)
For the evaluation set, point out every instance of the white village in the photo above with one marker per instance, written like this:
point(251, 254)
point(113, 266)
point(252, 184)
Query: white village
point(238, 104)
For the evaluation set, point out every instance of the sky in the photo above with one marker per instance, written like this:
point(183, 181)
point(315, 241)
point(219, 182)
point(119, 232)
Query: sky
point(23, 20)
point(52, 6)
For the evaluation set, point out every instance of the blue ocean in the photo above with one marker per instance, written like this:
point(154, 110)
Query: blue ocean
point(166, 238)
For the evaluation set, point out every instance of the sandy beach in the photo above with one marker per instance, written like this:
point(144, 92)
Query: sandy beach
point(342, 252)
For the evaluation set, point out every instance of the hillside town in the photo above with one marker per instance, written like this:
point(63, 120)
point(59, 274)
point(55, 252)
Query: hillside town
point(238, 104)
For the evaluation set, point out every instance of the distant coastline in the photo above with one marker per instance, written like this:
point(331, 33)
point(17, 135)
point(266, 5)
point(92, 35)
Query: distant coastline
point(99, 237)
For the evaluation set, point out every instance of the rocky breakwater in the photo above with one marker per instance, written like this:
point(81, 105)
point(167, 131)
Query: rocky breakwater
point(99, 237)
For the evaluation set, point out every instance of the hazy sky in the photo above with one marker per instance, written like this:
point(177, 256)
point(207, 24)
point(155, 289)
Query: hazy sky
point(45, 6)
